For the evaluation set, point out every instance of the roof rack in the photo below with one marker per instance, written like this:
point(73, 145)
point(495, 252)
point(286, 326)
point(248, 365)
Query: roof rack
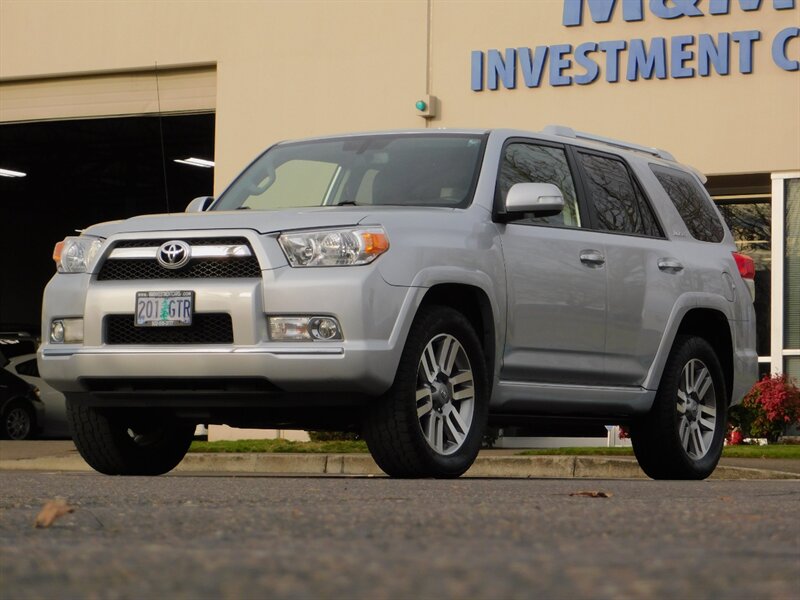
point(563, 131)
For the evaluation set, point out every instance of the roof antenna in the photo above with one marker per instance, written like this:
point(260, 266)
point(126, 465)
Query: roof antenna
point(161, 134)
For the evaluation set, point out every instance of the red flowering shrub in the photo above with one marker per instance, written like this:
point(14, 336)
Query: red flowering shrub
point(734, 437)
point(772, 405)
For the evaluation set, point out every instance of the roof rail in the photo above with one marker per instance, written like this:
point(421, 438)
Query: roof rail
point(563, 131)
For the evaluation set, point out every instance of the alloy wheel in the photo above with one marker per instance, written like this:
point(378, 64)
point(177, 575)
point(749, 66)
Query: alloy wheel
point(697, 409)
point(18, 423)
point(445, 394)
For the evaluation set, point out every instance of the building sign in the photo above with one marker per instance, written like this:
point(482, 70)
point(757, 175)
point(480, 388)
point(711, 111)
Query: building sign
point(677, 57)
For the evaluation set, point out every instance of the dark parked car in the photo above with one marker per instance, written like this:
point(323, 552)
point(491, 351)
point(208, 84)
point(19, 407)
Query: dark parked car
point(53, 423)
point(20, 408)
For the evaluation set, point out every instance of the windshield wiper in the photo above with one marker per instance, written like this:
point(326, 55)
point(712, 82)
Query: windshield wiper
point(347, 203)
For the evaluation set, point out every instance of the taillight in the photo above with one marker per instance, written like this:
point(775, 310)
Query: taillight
point(747, 268)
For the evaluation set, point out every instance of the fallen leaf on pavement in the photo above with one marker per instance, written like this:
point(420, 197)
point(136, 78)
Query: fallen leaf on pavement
point(52, 510)
point(593, 494)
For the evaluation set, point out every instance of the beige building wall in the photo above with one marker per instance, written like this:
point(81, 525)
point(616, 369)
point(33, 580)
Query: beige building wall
point(284, 69)
point(287, 69)
point(720, 124)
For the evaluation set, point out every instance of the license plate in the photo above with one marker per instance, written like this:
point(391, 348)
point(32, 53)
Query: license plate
point(164, 309)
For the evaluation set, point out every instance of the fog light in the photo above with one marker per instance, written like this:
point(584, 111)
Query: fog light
point(66, 331)
point(57, 332)
point(304, 329)
point(324, 328)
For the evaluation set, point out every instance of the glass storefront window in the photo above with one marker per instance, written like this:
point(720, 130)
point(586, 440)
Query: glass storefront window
point(791, 267)
point(791, 366)
point(749, 221)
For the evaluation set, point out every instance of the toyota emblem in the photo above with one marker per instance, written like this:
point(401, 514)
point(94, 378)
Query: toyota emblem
point(173, 254)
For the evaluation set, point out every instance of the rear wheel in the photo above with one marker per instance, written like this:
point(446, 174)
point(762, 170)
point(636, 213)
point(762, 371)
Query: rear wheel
point(683, 434)
point(431, 421)
point(128, 442)
point(18, 421)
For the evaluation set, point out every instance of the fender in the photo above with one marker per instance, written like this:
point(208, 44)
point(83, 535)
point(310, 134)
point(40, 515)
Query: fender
point(686, 302)
point(430, 277)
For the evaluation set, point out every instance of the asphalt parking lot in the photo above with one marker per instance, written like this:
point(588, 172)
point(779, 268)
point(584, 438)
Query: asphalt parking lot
point(209, 536)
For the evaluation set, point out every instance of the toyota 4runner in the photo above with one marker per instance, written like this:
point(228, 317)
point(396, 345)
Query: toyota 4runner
point(416, 287)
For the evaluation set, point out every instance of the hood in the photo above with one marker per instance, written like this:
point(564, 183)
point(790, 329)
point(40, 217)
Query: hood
point(262, 221)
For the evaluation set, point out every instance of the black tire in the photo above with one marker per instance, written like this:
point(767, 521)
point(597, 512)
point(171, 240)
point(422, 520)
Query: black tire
point(128, 442)
point(393, 425)
point(18, 421)
point(676, 440)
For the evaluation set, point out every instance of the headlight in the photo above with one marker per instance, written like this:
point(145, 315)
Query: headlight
point(334, 247)
point(76, 254)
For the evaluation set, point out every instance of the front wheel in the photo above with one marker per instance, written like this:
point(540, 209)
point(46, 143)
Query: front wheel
point(128, 441)
point(431, 421)
point(683, 434)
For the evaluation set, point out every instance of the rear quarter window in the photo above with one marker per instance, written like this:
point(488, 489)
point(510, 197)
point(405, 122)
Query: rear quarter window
point(618, 204)
point(692, 203)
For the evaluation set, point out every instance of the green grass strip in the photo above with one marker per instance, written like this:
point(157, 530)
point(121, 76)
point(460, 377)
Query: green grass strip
point(237, 446)
point(578, 452)
point(742, 451)
point(791, 451)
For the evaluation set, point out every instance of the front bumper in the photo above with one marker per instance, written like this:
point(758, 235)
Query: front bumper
point(374, 317)
point(366, 370)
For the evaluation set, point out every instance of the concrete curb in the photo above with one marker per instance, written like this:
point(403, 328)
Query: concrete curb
point(560, 467)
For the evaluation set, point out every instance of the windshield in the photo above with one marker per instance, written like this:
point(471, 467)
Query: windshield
point(393, 169)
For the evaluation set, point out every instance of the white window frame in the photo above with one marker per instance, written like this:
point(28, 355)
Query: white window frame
point(777, 351)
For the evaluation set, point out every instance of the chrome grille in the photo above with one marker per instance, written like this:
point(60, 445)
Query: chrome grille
point(206, 328)
point(211, 241)
point(126, 268)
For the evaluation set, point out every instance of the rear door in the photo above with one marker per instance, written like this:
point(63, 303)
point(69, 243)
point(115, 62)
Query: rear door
point(645, 276)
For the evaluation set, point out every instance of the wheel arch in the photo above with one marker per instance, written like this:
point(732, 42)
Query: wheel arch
point(712, 326)
point(475, 305)
point(707, 316)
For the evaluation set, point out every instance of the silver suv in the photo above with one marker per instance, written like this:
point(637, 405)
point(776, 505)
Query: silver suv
point(416, 287)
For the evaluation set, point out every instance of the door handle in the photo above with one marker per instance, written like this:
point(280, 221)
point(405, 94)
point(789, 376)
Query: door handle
point(592, 258)
point(671, 265)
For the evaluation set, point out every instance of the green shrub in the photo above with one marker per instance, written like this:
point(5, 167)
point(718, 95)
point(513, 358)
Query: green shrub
point(334, 436)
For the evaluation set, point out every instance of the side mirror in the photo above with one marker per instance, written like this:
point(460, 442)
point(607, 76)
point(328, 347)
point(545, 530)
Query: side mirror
point(542, 199)
point(199, 204)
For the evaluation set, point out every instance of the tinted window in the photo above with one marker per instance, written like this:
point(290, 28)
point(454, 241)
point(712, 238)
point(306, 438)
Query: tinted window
point(617, 201)
point(692, 203)
point(527, 163)
point(28, 367)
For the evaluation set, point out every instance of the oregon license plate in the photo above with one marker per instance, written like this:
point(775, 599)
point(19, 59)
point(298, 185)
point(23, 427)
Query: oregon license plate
point(164, 309)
